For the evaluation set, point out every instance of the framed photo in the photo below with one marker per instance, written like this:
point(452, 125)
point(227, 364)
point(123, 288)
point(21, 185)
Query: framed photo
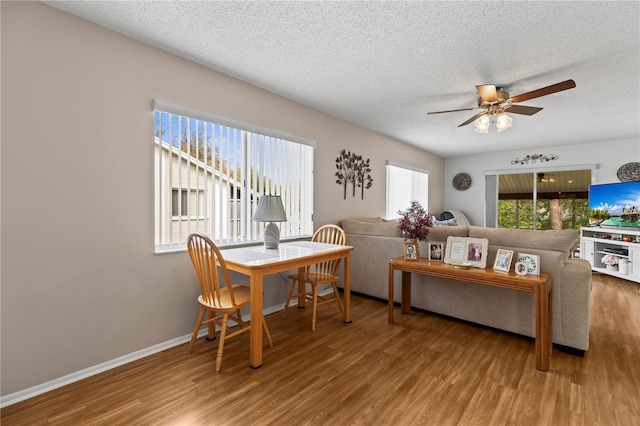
point(436, 251)
point(467, 252)
point(411, 251)
point(532, 261)
point(477, 249)
point(521, 268)
point(456, 250)
point(503, 260)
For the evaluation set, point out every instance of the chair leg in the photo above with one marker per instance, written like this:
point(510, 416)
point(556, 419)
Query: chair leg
point(239, 320)
point(314, 290)
point(223, 332)
point(335, 290)
point(196, 329)
point(211, 332)
point(286, 304)
point(266, 332)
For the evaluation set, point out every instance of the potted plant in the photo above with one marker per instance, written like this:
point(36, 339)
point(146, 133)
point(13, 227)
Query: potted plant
point(611, 261)
point(414, 222)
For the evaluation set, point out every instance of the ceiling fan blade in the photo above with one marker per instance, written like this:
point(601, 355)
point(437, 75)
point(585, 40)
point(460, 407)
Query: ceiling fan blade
point(488, 92)
point(454, 110)
point(521, 109)
point(472, 119)
point(554, 88)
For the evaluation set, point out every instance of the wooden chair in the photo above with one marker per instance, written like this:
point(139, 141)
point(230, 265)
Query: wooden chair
point(213, 298)
point(318, 274)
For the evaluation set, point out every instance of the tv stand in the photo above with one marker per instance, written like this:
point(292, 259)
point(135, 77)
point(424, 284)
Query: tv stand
point(596, 242)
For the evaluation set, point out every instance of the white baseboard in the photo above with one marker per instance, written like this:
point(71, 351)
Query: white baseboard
point(96, 369)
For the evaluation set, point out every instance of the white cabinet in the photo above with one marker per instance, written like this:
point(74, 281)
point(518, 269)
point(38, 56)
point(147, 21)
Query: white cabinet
point(595, 243)
point(587, 249)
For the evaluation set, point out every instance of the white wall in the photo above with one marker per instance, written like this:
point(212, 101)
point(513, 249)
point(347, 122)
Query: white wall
point(608, 156)
point(80, 282)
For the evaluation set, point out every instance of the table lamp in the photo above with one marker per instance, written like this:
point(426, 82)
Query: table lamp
point(270, 210)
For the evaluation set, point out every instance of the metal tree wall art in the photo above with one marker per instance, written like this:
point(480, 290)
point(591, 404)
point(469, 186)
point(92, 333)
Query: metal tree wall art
point(354, 170)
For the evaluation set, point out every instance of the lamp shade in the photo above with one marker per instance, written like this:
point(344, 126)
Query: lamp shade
point(270, 209)
point(503, 121)
point(482, 124)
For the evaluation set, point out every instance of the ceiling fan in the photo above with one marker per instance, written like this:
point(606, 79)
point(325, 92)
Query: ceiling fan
point(494, 102)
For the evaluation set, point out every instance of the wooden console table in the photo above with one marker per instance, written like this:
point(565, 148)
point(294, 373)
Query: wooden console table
point(540, 285)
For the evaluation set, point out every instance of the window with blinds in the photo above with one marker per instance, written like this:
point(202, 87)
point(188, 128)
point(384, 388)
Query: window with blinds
point(210, 172)
point(405, 184)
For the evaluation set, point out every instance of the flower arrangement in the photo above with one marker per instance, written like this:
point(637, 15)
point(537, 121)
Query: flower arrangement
point(610, 259)
point(415, 222)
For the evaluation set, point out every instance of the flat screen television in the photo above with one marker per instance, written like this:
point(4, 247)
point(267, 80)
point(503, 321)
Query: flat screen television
point(615, 205)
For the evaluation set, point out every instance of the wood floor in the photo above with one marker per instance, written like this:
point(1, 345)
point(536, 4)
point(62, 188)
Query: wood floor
point(425, 369)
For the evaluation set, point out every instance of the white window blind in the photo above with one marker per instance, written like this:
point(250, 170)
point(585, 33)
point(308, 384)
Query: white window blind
point(405, 184)
point(210, 172)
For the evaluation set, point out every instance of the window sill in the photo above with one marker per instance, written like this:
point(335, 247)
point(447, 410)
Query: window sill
point(181, 248)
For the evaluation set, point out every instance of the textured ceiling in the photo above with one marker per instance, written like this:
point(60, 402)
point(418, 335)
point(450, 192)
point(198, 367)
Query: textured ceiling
point(384, 65)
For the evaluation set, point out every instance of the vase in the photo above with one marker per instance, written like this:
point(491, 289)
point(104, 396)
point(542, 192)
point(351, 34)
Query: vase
point(612, 267)
point(624, 266)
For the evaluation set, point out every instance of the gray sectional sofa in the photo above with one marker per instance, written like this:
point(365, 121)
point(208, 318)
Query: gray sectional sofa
point(375, 241)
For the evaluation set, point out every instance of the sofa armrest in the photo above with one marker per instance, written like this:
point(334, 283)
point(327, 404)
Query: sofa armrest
point(576, 275)
point(575, 298)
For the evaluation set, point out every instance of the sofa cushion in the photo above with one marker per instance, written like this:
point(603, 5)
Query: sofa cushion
point(563, 240)
point(440, 233)
point(369, 226)
point(366, 220)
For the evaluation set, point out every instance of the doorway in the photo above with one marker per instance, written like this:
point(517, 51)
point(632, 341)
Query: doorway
point(543, 199)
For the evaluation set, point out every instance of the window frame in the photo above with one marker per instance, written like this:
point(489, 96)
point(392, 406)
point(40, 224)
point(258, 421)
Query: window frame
point(265, 161)
point(415, 181)
point(186, 195)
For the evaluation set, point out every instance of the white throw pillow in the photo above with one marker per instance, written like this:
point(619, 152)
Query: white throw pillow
point(448, 222)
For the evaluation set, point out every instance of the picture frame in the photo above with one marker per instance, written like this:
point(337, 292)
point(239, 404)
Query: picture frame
point(411, 251)
point(532, 261)
point(520, 268)
point(477, 250)
point(503, 259)
point(466, 252)
point(436, 251)
point(455, 251)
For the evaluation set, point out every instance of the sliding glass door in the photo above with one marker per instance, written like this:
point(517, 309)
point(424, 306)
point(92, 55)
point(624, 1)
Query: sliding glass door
point(543, 200)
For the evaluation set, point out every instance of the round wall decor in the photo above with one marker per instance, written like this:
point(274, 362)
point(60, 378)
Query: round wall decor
point(462, 181)
point(629, 172)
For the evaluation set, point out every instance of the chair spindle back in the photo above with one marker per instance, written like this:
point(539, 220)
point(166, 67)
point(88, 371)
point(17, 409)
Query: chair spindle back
point(206, 257)
point(330, 234)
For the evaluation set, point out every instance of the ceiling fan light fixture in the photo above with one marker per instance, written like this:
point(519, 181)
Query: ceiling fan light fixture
point(482, 124)
point(503, 121)
point(494, 100)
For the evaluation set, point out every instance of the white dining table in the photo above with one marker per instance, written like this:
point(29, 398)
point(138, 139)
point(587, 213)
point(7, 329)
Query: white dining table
point(258, 261)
